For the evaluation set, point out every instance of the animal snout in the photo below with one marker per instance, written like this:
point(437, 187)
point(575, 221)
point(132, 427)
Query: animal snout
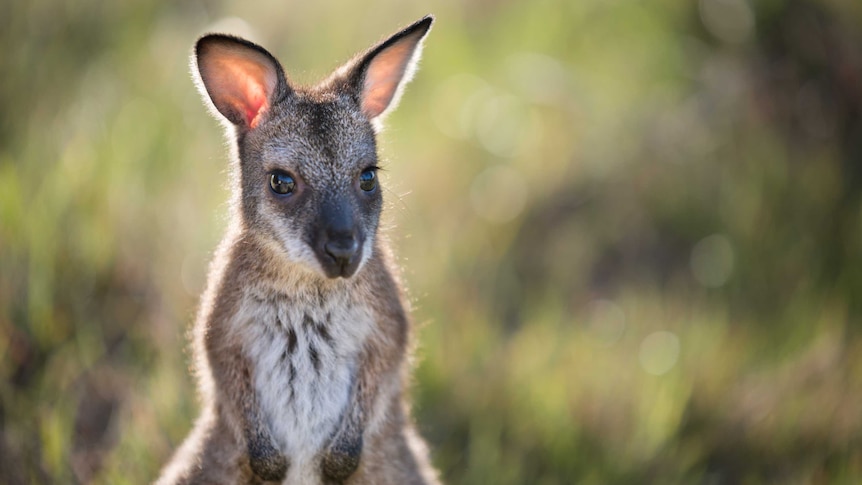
point(339, 238)
point(342, 250)
point(339, 253)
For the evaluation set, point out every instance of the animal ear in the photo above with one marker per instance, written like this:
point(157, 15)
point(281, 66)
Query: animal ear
point(242, 79)
point(380, 75)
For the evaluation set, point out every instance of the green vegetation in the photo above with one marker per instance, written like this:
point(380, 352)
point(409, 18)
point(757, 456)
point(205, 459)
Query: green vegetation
point(632, 232)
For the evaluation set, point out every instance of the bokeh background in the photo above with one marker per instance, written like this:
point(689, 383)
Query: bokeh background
point(631, 231)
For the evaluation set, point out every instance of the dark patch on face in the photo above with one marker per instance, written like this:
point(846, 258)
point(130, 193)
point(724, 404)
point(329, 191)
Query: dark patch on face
point(320, 121)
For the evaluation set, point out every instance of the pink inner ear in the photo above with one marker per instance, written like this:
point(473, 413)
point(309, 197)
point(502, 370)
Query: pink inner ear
point(240, 83)
point(254, 97)
point(383, 77)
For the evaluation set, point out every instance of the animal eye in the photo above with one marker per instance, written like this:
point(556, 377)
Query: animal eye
point(281, 183)
point(368, 179)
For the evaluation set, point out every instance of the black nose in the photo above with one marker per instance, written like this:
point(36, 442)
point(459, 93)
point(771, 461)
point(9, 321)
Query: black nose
point(342, 251)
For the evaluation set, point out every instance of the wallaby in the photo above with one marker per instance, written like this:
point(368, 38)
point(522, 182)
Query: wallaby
point(302, 338)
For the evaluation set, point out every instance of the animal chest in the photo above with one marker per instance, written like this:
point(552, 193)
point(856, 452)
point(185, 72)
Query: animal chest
point(305, 356)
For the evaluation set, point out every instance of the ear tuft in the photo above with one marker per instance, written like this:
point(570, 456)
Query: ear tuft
point(380, 76)
point(241, 78)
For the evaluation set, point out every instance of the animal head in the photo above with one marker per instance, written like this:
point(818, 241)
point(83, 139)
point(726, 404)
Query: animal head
point(307, 155)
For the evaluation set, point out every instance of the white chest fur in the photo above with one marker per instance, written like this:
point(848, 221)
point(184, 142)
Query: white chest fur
point(305, 353)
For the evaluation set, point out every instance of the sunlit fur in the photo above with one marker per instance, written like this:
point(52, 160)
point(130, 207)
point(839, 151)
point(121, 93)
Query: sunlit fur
point(301, 373)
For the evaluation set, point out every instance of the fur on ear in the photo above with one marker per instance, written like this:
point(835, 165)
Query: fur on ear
point(379, 76)
point(241, 78)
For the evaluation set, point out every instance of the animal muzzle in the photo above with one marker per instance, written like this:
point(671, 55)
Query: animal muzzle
point(341, 256)
point(339, 242)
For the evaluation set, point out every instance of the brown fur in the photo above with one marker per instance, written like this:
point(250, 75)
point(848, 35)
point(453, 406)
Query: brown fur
point(301, 357)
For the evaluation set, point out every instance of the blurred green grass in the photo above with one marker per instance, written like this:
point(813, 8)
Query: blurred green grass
point(631, 232)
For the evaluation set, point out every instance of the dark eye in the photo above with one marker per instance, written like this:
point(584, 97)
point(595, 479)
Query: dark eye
point(368, 180)
point(281, 183)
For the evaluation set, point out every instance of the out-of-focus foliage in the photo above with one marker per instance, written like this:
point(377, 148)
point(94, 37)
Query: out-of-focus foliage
point(632, 231)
